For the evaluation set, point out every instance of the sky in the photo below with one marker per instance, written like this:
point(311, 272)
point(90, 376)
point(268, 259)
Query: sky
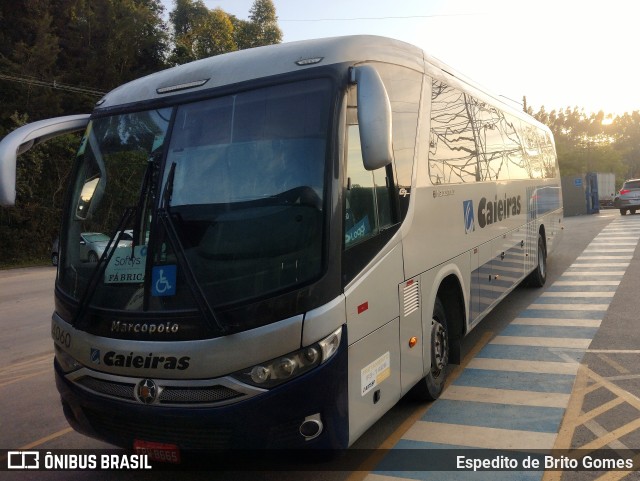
point(557, 53)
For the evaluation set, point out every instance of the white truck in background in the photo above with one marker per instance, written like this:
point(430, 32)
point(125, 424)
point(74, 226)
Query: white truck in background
point(606, 188)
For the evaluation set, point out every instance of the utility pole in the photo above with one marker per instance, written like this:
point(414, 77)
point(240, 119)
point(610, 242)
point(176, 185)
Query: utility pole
point(524, 102)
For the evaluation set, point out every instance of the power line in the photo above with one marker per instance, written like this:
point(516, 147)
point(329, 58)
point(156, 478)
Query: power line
point(51, 84)
point(374, 18)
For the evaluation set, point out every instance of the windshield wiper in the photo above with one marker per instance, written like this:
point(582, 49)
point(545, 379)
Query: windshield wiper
point(164, 214)
point(101, 265)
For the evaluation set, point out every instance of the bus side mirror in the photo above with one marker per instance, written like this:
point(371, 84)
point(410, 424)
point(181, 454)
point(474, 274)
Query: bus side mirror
point(92, 190)
point(25, 137)
point(374, 118)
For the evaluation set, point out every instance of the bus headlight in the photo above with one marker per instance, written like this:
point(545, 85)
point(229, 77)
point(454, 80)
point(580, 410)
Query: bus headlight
point(66, 362)
point(276, 371)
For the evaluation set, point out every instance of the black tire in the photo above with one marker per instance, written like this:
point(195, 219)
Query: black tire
point(623, 211)
point(539, 276)
point(430, 387)
point(633, 211)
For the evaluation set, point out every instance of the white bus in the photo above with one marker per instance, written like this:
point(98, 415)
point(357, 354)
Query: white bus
point(315, 227)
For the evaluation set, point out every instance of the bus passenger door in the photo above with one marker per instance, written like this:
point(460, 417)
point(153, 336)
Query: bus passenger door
point(373, 326)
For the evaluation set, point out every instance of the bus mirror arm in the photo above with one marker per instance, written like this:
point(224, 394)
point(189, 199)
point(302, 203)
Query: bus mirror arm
point(374, 118)
point(25, 137)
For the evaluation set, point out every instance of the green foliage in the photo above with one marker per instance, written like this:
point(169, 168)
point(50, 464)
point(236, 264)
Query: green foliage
point(27, 230)
point(200, 32)
point(98, 45)
point(595, 142)
point(262, 27)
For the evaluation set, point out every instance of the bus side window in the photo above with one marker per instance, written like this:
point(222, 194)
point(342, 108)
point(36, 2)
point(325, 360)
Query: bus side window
point(367, 203)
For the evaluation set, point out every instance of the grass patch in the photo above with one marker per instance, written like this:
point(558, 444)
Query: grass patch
point(22, 263)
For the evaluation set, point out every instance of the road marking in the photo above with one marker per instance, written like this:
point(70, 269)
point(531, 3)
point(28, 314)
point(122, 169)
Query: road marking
point(478, 437)
point(607, 249)
point(369, 464)
point(23, 370)
point(569, 307)
point(24, 377)
point(615, 351)
point(585, 417)
point(613, 364)
point(505, 396)
point(617, 475)
point(513, 365)
point(529, 371)
point(586, 283)
point(603, 258)
point(541, 341)
point(579, 294)
point(555, 322)
point(591, 273)
point(599, 264)
point(614, 435)
point(41, 441)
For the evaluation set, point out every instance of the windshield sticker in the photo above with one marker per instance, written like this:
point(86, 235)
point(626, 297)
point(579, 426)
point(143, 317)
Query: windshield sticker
point(361, 229)
point(163, 279)
point(126, 266)
point(157, 142)
point(375, 373)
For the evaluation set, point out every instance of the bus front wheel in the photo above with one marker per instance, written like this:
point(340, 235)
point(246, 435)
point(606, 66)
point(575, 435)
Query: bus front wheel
point(430, 387)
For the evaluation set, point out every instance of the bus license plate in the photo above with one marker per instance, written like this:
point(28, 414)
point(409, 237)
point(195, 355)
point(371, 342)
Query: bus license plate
point(161, 452)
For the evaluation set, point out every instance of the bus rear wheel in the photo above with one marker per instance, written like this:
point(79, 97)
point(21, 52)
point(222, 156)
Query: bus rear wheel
point(430, 387)
point(539, 276)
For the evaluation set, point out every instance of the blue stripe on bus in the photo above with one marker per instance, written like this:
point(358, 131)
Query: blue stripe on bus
point(500, 416)
point(565, 332)
point(530, 353)
point(514, 380)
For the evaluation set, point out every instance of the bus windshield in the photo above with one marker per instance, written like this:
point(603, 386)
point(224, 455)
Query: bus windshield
point(224, 194)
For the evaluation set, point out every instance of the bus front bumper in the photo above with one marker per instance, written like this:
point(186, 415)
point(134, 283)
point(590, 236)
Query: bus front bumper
point(269, 420)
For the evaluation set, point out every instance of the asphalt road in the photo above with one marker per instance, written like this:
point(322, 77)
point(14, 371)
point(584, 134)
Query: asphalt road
point(31, 416)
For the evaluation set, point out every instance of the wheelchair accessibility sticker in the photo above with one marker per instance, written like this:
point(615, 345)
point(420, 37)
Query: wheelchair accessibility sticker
point(163, 281)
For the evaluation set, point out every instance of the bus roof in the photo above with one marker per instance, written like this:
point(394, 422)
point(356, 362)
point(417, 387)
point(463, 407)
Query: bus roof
point(244, 65)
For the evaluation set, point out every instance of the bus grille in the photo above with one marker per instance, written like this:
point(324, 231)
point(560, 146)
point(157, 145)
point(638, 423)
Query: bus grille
point(169, 395)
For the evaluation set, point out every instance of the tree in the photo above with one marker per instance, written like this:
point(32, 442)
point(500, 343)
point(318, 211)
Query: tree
point(28, 49)
point(110, 42)
point(199, 32)
point(262, 27)
point(79, 42)
point(584, 143)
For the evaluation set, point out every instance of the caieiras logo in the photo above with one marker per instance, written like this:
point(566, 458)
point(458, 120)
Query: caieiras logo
point(490, 212)
point(139, 361)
